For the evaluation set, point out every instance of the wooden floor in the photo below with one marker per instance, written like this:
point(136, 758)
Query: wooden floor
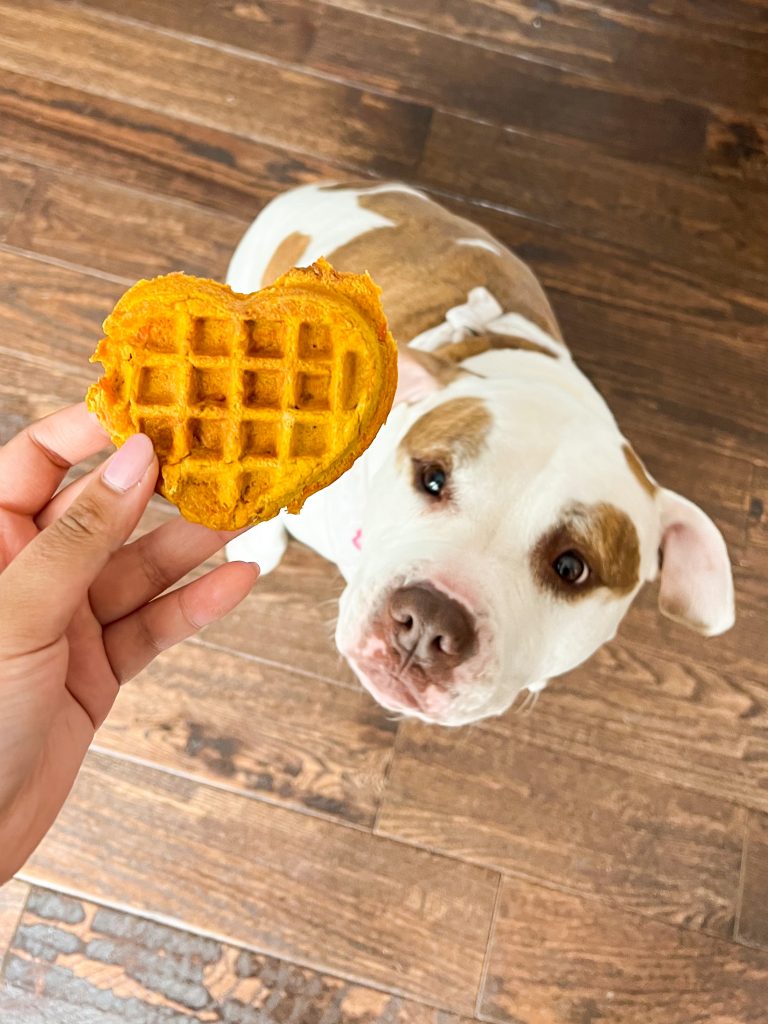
point(252, 839)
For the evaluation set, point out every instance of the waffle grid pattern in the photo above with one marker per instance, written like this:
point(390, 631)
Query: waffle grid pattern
point(252, 393)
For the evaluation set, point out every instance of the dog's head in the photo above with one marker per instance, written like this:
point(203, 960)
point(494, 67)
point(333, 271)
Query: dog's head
point(508, 529)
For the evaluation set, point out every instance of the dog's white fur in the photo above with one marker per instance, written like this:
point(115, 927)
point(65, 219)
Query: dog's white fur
point(553, 444)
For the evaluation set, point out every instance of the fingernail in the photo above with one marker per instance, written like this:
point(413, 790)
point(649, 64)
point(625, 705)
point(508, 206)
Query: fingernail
point(129, 464)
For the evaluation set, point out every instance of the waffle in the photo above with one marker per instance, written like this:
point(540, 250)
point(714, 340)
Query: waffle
point(253, 402)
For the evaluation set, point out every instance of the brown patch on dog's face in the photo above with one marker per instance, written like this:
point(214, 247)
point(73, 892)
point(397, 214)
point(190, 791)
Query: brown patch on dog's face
point(638, 470)
point(604, 538)
point(459, 351)
point(285, 256)
point(455, 431)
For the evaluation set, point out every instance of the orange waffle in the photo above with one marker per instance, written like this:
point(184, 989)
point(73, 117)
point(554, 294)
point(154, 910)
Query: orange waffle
point(253, 402)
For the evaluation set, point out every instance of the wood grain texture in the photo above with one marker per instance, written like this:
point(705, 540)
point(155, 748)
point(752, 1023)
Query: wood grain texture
point(72, 957)
point(560, 959)
point(752, 923)
point(608, 42)
point(256, 728)
point(644, 710)
point(123, 232)
point(16, 181)
point(708, 227)
point(291, 885)
point(69, 129)
point(445, 72)
point(232, 91)
point(50, 322)
point(13, 896)
point(555, 819)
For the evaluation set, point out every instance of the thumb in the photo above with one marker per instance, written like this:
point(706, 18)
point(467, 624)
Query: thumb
point(45, 584)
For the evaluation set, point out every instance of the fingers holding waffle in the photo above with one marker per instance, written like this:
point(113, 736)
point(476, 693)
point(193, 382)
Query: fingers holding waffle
point(253, 402)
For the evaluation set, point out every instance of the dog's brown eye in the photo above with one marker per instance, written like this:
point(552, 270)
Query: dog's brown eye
point(571, 568)
point(433, 480)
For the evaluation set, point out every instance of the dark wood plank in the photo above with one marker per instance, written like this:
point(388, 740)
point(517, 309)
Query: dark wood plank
point(16, 181)
point(607, 42)
point(739, 21)
point(289, 619)
point(50, 322)
point(223, 90)
point(649, 125)
point(286, 738)
point(756, 555)
point(563, 959)
point(663, 378)
point(642, 709)
point(563, 822)
point(707, 227)
point(74, 957)
point(291, 885)
point(13, 896)
point(124, 232)
point(68, 129)
point(752, 921)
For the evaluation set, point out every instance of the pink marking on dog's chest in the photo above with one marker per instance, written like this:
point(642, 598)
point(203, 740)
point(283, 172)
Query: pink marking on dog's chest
point(357, 540)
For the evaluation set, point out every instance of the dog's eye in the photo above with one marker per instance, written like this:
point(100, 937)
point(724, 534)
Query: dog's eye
point(571, 568)
point(433, 480)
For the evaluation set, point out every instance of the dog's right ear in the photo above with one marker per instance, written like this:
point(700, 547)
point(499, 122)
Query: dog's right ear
point(421, 373)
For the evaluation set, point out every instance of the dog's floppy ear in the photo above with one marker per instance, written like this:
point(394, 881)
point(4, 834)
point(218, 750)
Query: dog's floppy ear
point(696, 581)
point(420, 373)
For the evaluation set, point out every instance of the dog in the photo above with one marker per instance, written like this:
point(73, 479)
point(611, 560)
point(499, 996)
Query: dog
point(497, 530)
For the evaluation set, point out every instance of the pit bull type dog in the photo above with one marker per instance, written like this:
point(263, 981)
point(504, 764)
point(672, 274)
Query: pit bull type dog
point(497, 530)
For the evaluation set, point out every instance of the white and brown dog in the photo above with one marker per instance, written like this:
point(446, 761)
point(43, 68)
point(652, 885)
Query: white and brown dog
point(497, 530)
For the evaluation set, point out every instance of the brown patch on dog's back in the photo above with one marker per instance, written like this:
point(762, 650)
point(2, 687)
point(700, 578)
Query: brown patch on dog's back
point(638, 470)
point(424, 271)
point(605, 537)
point(285, 256)
point(457, 352)
point(455, 431)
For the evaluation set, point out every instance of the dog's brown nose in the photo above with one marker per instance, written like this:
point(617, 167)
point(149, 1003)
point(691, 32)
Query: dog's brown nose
point(430, 629)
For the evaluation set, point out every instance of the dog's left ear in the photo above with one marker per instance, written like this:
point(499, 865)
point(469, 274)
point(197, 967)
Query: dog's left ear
point(420, 373)
point(696, 580)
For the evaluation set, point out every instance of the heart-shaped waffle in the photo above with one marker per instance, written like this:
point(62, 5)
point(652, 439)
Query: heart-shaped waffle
point(253, 402)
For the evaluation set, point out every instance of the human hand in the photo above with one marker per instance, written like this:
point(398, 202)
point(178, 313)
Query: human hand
point(80, 611)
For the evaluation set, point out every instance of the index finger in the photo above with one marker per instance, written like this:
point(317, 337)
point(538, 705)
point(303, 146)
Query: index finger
point(33, 464)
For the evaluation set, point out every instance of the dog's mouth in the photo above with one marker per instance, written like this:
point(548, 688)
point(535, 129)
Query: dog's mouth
point(403, 692)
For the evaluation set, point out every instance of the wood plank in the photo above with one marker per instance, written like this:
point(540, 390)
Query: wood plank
point(559, 959)
point(13, 896)
point(230, 91)
point(50, 321)
point(752, 921)
point(664, 378)
point(740, 21)
point(707, 227)
point(685, 722)
point(123, 232)
point(289, 619)
point(607, 42)
point(558, 820)
point(608, 112)
point(75, 957)
point(291, 885)
point(16, 181)
point(68, 129)
point(286, 738)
